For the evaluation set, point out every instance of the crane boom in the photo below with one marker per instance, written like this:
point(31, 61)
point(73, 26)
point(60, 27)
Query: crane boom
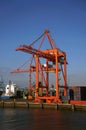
point(49, 54)
point(29, 49)
point(52, 69)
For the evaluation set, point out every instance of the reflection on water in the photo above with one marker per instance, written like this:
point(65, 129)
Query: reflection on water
point(35, 119)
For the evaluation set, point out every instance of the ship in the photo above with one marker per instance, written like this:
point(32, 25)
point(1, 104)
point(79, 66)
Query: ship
point(10, 91)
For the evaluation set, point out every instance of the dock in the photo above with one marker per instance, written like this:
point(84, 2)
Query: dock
point(33, 105)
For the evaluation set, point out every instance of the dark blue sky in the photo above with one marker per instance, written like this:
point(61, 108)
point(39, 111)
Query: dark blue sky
point(21, 21)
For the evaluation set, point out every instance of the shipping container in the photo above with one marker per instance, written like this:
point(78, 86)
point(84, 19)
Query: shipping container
point(83, 93)
point(77, 93)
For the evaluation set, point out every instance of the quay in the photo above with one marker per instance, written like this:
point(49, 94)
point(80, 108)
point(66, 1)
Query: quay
point(34, 105)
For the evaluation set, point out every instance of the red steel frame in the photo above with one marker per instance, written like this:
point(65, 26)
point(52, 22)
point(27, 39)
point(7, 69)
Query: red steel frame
point(53, 55)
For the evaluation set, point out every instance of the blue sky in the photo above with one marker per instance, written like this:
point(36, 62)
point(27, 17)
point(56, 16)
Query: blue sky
point(21, 21)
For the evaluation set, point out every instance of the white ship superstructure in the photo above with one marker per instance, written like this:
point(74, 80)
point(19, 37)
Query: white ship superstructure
point(10, 89)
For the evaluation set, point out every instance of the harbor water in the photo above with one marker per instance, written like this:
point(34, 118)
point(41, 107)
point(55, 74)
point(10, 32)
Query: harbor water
point(36, 119)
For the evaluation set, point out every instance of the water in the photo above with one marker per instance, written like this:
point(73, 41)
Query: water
point(35, 119)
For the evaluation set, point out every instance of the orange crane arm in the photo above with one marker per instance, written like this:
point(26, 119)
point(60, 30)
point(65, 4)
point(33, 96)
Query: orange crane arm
point(19, 71)
point(32, 69)
point(48, 54)
point(30, 50)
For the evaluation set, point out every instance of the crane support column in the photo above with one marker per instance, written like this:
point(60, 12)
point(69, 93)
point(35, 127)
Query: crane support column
point(57, 88)
point(47, 80)
point(65, 76)
point(37, 74)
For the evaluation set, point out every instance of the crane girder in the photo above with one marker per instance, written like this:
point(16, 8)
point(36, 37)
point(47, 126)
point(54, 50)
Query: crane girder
point(21, 70)
point(33, 70)
point(48, 54)
point(30, 50)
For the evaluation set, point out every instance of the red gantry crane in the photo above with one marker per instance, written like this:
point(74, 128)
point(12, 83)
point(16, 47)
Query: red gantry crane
point(52, 55)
